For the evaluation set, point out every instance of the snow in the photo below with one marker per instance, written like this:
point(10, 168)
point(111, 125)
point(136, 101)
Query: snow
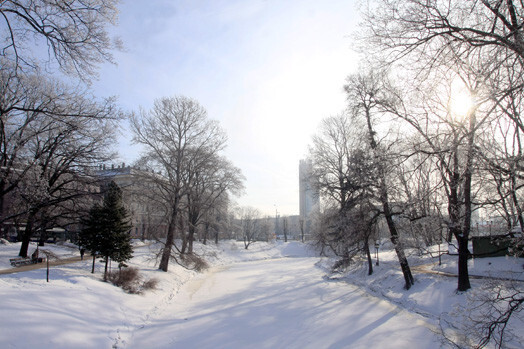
point(273, 295)
point(291, 306)
point(10, 250)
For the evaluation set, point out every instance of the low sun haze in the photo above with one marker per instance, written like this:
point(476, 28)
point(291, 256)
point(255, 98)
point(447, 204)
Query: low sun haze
point(268, 71)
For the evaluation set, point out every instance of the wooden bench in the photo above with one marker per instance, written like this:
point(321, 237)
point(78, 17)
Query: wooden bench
point(19, 261)
point(16, 262)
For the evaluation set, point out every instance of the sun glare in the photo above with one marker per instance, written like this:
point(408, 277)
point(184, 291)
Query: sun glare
point(461, 101)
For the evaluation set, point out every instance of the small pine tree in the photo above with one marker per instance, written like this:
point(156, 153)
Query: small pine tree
point(107, 229)
point(89, 236)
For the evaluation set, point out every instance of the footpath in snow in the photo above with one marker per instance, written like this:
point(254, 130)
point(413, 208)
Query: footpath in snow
point(281, 303)
point(270, 296)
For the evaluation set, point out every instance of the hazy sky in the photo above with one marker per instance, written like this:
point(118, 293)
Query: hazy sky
point(269, 71)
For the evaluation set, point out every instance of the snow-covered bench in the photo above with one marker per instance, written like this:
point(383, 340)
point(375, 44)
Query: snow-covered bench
point(16, 262)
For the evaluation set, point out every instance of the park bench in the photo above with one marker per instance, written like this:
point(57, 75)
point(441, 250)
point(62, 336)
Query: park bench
point(19, 261)
point(16, 262)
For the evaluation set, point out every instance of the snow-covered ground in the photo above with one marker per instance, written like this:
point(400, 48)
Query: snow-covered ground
point(8, 250)
point(271, 296)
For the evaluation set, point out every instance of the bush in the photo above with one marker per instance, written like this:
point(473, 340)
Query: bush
point(194, 262)
point(130, 280)
point(341, 265)
point(150, 284)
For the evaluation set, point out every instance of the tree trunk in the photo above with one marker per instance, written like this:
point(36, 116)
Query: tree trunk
point(193, 221)
point(285, 224)
point(105, 267)
point(399, 249)
point(93, 267)
point(404, 266)
point(515, 200)
point(456, 230)
point(43, 232)
point(28, 232)
point(394, 236)
point(368, 254)
point(463, 236)
point(301, 224)
point(2, 186)
point(24, 247)
point(206, 231)
point(190, 239)
point(463, 250)
point(183, 249)
point(170, 239)
point(463, 273)
point(3, 231)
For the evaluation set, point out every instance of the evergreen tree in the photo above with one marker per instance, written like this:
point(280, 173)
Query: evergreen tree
point(107, 229)
point(88, 238)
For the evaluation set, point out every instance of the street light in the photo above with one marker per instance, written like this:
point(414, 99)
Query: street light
point(439, 243)
point(376, 250)
point(276, 222)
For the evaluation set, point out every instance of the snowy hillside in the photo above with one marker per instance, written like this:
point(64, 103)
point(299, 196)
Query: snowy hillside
point(270, 296)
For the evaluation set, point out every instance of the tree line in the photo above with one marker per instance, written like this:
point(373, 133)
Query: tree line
point(431, 135)
point(54, 136)
point(191, 181)
point(51, 133)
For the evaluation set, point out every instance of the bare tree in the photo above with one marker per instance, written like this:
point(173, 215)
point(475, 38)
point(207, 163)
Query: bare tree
point(481, 43)
point(345, 176)
point(338, 154)
point(503, 150)
point(176, 134)
point(367, 93)
point(210, 179)
point(250, 224)
point(491, 317)
point(285, 227)
point(422, 198)
point(33, 109)
point(217, 219)
point(67, 153)
point(452, 138)
point(493, 312)
point(301, 227)
point(406, 26)
point(51, 137)
point(74, 33)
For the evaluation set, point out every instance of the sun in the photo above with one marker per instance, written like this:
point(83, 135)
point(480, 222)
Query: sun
point(461, 101)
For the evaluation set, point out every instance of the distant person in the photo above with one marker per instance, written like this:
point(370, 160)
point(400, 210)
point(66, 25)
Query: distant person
point(34, 256)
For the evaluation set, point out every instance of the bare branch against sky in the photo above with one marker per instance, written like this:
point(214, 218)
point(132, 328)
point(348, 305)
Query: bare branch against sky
point(268, 71)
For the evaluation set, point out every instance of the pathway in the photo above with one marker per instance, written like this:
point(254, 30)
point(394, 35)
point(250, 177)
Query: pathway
point(52, 263)
point(283, 303)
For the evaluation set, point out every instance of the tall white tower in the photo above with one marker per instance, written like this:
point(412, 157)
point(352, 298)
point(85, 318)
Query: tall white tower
point(308, 191)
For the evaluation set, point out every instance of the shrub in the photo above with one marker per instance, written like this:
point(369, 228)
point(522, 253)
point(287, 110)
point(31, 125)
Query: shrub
point(150, 284)
point(130, 280)
point(194, 262)
point(341, 265)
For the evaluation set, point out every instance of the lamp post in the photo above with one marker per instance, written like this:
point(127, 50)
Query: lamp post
point(276, 222)
point(440, 242)
point(376, 250)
